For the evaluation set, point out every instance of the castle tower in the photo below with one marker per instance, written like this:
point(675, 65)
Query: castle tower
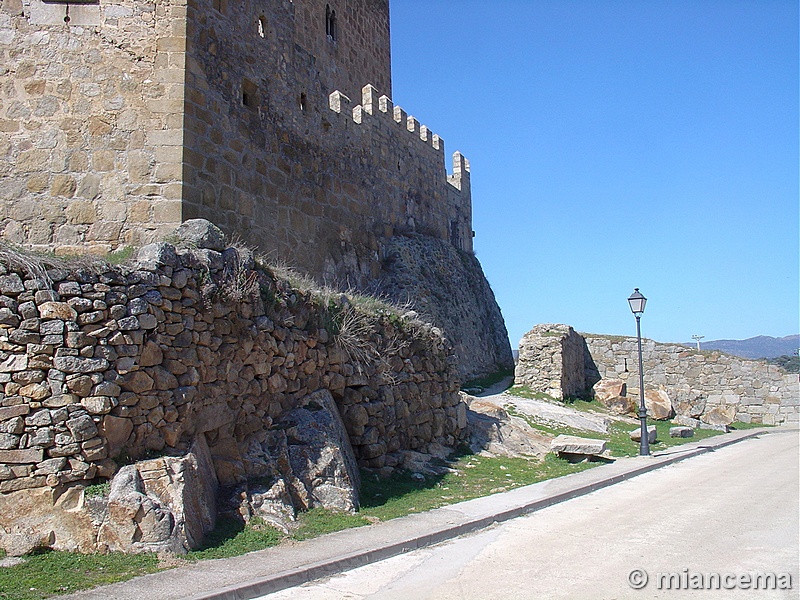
point(121, 118)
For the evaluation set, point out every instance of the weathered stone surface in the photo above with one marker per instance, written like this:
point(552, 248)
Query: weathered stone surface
point(201, 234)
point(79, 364)
point(657, 402)
point(719, 415)
point(551, 361)
point(622, 405)
point(652, 434)
point(82, 428)
point(20, 543)
point(494, 432)
point(681, 432)
point(27, 456)
point(57, 310)
point(687, 421)
point(607, 389)
point(570, 444)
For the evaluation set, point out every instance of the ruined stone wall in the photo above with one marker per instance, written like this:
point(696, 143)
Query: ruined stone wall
point(91, 123)
point(551, 361)
point(699, 382)
point(319, 178)
point(103, 365)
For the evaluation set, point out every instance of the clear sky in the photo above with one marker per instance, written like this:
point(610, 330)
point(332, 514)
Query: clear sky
point(618, 144)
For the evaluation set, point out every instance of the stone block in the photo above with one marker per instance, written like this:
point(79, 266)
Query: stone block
point(569, 444)
point(681, 432)
point(652, 434)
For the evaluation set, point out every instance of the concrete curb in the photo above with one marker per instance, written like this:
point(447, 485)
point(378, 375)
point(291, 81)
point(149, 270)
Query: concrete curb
point(633, 467)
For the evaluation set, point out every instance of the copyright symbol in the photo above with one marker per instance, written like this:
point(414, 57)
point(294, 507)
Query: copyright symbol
point(637, 579)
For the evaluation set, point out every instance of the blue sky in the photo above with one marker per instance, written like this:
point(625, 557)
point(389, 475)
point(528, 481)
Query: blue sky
point(618, 144)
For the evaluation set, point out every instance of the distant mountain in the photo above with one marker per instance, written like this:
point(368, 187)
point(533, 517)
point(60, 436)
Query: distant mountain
point(762, 346)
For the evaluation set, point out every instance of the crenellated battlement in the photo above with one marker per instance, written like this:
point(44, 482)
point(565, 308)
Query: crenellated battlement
point(382, 108)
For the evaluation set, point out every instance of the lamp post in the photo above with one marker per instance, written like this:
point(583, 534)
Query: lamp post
point(637, 302)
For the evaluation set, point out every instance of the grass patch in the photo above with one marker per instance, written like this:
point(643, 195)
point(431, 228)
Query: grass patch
point(480, 384)
point(50, 573)
point(738, 425)
point(620, 442)
point(231, 537)
point(319, 521)
point(470, 477)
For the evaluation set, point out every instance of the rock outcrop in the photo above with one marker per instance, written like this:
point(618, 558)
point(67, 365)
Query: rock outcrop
point(447, 287)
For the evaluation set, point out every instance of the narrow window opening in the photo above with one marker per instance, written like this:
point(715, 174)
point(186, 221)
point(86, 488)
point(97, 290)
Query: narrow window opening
point(220, 6)
point(262, 26)
point(250, 94)
point(303, 101)
point(330, 23)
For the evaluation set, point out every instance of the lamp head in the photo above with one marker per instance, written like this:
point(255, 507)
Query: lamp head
point(637, 302)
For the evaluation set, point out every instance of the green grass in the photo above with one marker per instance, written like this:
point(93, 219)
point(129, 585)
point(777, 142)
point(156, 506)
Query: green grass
point(482, 383)
point(618, 440)
point(739, 425)
point(471, 476)
point(621, 444)
point(50, 573)
point(319, 521)
point(231, 537)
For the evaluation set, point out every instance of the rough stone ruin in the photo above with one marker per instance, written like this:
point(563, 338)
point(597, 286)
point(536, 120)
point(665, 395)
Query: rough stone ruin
point(697, 388)
point(198, 384)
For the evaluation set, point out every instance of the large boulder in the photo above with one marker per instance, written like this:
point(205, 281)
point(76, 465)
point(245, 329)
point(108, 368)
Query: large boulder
point(719, 415)
point(607, 389)
point(496, 433)
point(201, 233)
point(657, 402)
point(162, 504)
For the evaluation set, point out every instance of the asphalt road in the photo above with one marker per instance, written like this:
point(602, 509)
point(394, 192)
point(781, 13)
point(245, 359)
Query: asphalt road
point(720, 520)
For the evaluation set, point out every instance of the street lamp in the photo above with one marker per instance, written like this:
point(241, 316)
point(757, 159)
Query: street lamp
point(637, 302)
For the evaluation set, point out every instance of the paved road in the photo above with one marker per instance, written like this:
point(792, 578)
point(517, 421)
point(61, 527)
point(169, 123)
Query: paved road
point(735, 511)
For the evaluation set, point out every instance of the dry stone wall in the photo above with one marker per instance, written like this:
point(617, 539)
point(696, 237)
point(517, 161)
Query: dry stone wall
point(551, 361)
point(700, 384)
point(709, 388)
point(101, 366)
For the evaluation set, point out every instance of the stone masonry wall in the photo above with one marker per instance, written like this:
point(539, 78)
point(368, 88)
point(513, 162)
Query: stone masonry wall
point(699, 382)
point(551, 360)
point(103, 365)
point(91, 123)
point(321, 179)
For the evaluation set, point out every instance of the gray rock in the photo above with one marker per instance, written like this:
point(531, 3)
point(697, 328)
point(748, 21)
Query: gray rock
point(82, 428)
point(681, 432)
point(570, 444)
point(201, 234)
point(652, 433)
point(155, 255)
point(79, 364)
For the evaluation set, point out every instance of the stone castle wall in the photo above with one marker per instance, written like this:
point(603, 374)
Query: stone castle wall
point(321, 178)
point(749, 391)
point(91, 120)
point(137, 115)
point(105, 365)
